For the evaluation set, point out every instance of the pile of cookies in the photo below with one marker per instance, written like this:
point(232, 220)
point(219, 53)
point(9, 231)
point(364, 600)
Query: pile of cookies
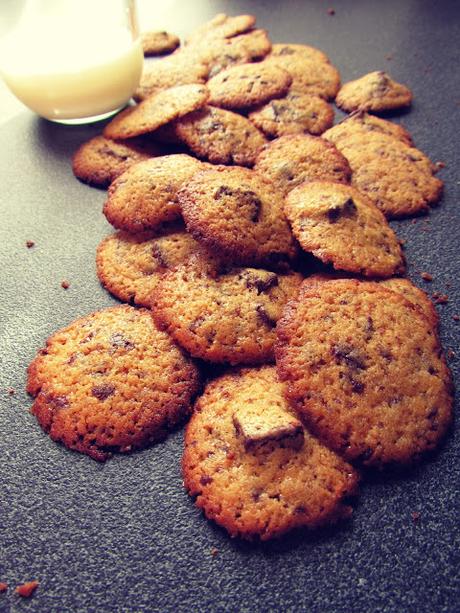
point(262, 277)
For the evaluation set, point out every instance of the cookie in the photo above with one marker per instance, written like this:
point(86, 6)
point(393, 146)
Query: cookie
point(100, 160)
point(361, 122)
point(341, 226)
point(398, 179)
point(178, 69)
point(111, 381)
point(264, 491)
point(157, 110)
point(375, 92)
point(129, 265)
point(159, 43)
point(220, 136)
point(291, 160)
point(310, 69)
point(145, 196)
point(221, 26)
point(221, 315)
point(248, 85)
point(363, 367)
point(236, 213)
point(416, 296)
point(293, 114)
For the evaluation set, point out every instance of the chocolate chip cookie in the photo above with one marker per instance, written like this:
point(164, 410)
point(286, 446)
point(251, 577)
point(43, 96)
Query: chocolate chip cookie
point(374, 92)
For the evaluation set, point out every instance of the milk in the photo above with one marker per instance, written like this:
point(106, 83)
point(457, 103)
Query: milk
point(72, 68)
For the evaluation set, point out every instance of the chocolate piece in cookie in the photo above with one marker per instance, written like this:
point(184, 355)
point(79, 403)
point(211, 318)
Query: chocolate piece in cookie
point(220, 136)
point(145, 196)
point(361, 122)
point(341, 226)
point(100, 160)
point(264, 490)
point(159, 43)
point(248, 85)
point(157, 110)
point(293, 114)
point(363, 367)
point(219, 315)
point(374, 92)
point(236, 213)
point(221, 26)
point(291, 160)
point(111, 381)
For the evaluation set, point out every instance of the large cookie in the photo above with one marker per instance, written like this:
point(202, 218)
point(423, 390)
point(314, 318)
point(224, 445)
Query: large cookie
point(363, 366)
point(157, 110)
point(376, 92)
point(159, 43)
point(221, 26)
point(111, 381)
point(130, 265)
point(145, 196)
point(248, 85)
point(361, 122)
point(339, 225)
point(100, 160)
point(220, 315)
point(293, 114)
point(291, 160)
point(220, 136)
point(265, 490)
point(236, 213)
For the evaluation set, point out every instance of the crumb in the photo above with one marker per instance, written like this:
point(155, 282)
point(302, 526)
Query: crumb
point(440, 165)
point(11, 391)
point(389, 57)
point(415, 516)
point(451, 354)
point(456, 317)
point(440, 298)
point(27, 589)
point(448, 285)
point(3, 586)
point(65, 284)
point(30, 244)
point(331, 11)
point(413, 221)
point(426, 276)
point(214, 551)
point(402, 242)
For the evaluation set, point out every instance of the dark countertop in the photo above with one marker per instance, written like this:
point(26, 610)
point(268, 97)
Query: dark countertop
point(124, 536)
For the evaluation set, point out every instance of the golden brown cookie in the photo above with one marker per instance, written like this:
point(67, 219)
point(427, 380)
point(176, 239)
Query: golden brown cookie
point(291, 160)
point(221, 26)
point(222, 315)
point(291, 51)
point(236, 213)
point(159, 43)
point(293, 114)
point(157, 110)
point(361, 122)
point(220, 136)
point(266, 490)
point(363, 367)
point(341, 226)
point(100, 160)
point(374, 92)
point(111, 381)
point(145, 196)
point(247, 85)
point(129, 265)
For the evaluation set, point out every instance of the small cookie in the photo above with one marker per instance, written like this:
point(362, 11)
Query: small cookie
point(159, 43)
point(145, 196)
point(220, 136)
point(361, 122)
point(291, 160)
point(178, 69)
point(416, 296)
point(157, 110)
point(221, 26)
point(111, 381)
point(264, 491)
point(339, 225)
point(219, 315)
point(375, 92)
point(129, 265)
point(248, 85)
point(100, 160)
point(236, 213)
point(363, 367)
point(290, 51)
point(293, 114)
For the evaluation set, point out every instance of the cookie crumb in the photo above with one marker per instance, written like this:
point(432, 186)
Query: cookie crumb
point(456, 317)
point(30, 244)
point(451, 354)
point(214, 551)
point(27, 589)
point(11, 391)
point(65, 284)
point(440, 165)
point(415, 516)
point(3, 586)
point(331, 11)
point(389, 57)
point(426, 276)
point(440, 298)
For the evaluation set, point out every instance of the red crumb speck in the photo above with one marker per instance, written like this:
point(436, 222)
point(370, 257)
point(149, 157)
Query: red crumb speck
point(3, 586)
point(440, 165)
point(413, 221)
point(27, 589)
point(214, 551)
point(456, 317)
point(426, 276)
point(440, 298)
point(65, 284)
point(389, 57)
point(11, 391)
point(451, 354)
point(415, 516)
point(331, 11)
point(29, 244)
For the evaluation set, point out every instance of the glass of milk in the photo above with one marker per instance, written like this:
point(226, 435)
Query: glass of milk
point(74, 61)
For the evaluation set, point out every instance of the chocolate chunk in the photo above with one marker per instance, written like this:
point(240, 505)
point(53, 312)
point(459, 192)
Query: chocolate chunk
point(265, 317)
point(348, 355)
point(103, 391)
point(119, 341)
point(261, 284)
point(346, 209)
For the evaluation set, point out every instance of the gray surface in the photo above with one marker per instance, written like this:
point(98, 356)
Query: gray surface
point(124, 536)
